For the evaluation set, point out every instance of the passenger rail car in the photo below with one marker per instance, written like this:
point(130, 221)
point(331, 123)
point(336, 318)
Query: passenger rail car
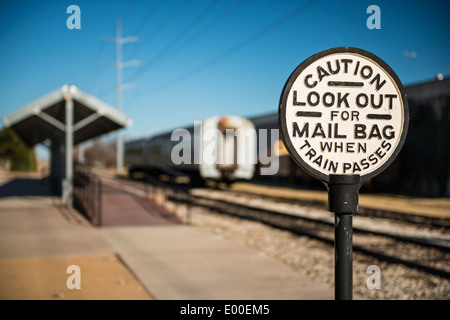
point(217, 148)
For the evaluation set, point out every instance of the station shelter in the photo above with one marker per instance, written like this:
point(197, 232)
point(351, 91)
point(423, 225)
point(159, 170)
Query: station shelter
point(62, 119)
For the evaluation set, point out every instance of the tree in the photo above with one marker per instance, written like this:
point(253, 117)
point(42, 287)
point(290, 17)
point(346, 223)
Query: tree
point(100, 154)
point(22, 157)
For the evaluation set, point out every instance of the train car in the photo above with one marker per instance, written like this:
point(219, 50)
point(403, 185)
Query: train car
point(287, 172)
point(217, 148)
point(428, 174)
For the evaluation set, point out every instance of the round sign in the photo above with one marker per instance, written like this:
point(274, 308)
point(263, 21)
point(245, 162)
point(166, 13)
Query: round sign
point(343, 111)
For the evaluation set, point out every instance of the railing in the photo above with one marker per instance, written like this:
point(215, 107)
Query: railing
point(87, 191)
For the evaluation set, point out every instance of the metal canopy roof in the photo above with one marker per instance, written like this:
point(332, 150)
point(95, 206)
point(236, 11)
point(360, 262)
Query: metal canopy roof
point(45, 118)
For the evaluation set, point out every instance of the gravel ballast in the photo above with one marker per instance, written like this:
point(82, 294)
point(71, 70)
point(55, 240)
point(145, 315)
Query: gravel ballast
point(372, 279)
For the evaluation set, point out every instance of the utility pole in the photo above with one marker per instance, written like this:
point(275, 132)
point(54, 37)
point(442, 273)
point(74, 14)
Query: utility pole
point(119, 65)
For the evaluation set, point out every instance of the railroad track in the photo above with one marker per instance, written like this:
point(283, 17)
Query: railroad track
point(363, 211)
point(432, 251)
point(429, 253)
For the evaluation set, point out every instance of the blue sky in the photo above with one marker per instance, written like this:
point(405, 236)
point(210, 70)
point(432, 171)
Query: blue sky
point(200, 58)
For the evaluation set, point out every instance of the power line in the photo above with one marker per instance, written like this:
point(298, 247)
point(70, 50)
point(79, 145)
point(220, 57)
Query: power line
point(149, 14)
point(240, 45)
point(162, 26)
point(177, 38)
point(202, 31)
point(209, 26)
point(128, 9)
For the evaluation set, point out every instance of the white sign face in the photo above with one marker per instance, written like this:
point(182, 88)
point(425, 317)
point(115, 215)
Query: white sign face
point(343, 111)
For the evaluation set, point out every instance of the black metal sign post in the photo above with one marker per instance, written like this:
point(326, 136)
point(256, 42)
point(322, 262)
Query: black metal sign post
point(343, 197)
point(343, 116)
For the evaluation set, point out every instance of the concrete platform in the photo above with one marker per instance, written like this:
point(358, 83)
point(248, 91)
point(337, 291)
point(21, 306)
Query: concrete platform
point(39, 227)
point(121, 208)
point(181, 262)
point(39, 239)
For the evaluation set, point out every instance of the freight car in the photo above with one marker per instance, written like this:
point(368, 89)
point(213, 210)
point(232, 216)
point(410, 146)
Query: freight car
point(218, 148)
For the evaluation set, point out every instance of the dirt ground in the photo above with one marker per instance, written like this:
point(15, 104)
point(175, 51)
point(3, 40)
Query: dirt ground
point(102, 277)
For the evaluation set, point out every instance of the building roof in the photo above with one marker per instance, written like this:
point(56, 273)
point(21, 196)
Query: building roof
point(45, 118)
point(429, 90)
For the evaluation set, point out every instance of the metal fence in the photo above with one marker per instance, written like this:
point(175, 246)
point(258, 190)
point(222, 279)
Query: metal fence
point(87, 191)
